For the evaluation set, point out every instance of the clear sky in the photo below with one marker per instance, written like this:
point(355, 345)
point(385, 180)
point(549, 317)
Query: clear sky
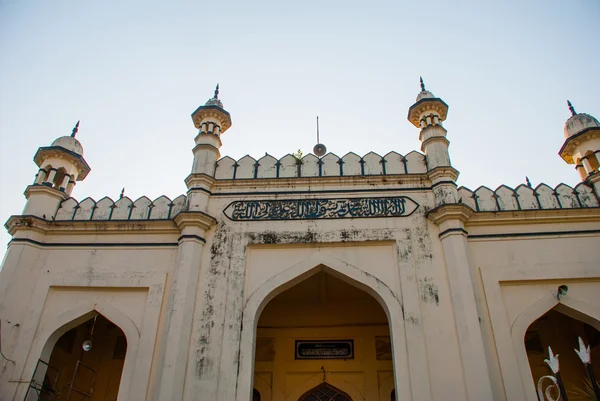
point(133, 71)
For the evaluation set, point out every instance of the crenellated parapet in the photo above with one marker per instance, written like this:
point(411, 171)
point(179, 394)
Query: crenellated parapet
point(162, 208)
point(329, 165)
point(524, 197)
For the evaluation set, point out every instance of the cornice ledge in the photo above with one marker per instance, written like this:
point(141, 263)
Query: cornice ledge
point(16, 223)
point(45, 189)
point(195, 219)
point(345, 182)
point(431, 139)
point(33, 223)
point(450, 211)
point(511, 217)
point(566, 151)
point(443, 172)
point(199, 179)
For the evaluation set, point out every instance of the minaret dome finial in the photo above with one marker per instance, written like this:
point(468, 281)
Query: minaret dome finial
point(573, 112)
point(422, 84)
point(217, 92)
point(75, 130)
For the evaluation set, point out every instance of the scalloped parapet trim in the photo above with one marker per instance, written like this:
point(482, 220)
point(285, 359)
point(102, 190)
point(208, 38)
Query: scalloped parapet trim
point(329, 165)
point(162, 208)
point(523, 197)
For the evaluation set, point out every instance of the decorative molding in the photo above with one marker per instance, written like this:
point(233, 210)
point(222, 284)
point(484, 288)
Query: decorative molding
point(449, 211)
point(199, 180)
point(566, 151)
point(443, 172)
point(92, 244)
point(311, 209)
point(193, 237)
point(216, 112)
point(46, 189)
point(46, 152)
point(427, 104)
point(534, 234)
point(34, 223)
point(195, 219)
point(535, 216)
point(445, 233)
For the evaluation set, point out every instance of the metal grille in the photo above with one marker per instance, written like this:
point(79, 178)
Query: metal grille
point(325, 392)
point(43, 384)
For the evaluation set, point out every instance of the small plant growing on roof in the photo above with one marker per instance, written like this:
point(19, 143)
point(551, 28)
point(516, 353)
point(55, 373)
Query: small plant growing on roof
point(298, 156)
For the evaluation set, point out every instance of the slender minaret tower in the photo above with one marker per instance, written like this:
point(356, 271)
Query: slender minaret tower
point(61, 165)
point(582, 146)
point(428, 113)
point(450, 216)
point(211, 120)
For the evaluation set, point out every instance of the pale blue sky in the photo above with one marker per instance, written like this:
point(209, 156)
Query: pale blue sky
point(133, 71)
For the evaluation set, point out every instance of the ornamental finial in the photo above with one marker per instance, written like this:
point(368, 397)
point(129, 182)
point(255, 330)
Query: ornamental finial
point(422, 84)
point(75, 130)
point(216, 92)
point(583, 352)
point(552, 361)
point(573, 112)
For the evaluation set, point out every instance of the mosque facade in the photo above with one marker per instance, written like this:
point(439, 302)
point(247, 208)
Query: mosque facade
point(305, 278)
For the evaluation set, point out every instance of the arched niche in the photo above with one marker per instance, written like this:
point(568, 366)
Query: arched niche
point(49, 334)
point(569, 305)
point(346, 272)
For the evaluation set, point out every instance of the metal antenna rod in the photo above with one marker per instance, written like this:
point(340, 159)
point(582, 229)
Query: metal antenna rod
point(318, 130)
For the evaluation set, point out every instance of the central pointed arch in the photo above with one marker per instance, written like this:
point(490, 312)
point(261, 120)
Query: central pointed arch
point(325, 392)
point(342, 270)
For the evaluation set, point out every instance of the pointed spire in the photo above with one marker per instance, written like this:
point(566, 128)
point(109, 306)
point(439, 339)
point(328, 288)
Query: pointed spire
point(422, 84)
point(573, 112)
point(122, 193)
point(528, 182)
point(216, 92)
point(75, 130)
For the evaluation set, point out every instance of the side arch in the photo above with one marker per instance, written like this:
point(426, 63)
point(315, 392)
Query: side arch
point(569, 305)
point(350, 274)
point(49, 334)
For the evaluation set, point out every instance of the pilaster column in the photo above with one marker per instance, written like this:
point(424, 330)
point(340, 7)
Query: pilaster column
point(451, 218)
point(40, 176)
point(65, 182)
point(199, 187)
point(182, 298)
point(50, 177)
point(443, 183)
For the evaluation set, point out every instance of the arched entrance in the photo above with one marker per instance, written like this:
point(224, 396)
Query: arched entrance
point(560, 329)
point(85, 363)
point(268, 289)
point(323, 339)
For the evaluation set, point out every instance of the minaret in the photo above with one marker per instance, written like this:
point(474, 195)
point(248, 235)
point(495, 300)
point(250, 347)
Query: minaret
point(428, 113)
point(582, 146)
point(211, 120)
point(61, 165)
point(450, 216)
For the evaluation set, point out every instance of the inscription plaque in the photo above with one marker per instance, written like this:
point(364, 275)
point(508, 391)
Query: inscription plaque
point(309, 209)
point(328, 349)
